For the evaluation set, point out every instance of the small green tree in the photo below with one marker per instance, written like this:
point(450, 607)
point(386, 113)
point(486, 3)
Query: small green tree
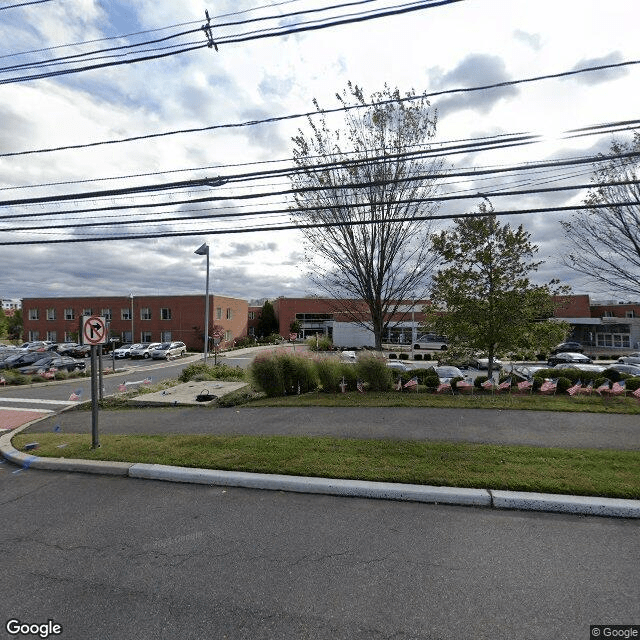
point(14, 325)
point(482, 298)
point(267, 322)
point(3, 323)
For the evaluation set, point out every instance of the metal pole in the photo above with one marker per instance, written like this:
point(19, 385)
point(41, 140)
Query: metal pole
point(95, 442)
point(132, 340)
point(101, 394)
point(206, 312)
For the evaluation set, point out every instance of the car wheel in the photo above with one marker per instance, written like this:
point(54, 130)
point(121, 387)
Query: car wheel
point(146, 356)
point(443, 347)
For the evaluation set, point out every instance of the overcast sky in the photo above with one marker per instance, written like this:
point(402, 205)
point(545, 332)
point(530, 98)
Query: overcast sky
point(459, 45)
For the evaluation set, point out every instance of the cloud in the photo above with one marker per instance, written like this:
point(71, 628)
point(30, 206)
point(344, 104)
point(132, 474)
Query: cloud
point(598, 77)
point(532, 40)
point(243, 249)
point(474, 71)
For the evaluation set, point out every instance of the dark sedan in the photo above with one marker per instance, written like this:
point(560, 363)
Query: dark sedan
point(61, 363)
point(23, 359)
point(572, 347)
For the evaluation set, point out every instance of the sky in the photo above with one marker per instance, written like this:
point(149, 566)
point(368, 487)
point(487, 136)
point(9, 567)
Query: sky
point(457, 45)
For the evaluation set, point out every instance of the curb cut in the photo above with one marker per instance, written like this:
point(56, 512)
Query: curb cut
point(459, 496)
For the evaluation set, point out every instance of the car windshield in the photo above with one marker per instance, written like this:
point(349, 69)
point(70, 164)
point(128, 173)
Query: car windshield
point(164, 345)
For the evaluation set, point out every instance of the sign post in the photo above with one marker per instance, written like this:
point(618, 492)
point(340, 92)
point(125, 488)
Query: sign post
point(94, 333)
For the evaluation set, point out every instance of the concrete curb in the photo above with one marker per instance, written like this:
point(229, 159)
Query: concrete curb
point(302, 484)
point(512, 500)
point(583, 505)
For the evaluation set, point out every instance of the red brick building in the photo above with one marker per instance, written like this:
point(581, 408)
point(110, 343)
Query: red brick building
point(137, 318)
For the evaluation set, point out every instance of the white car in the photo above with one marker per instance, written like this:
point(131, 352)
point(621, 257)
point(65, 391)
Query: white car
point(483, 363)
point(143, 350)
point(395, 365)
point(123, 351)
point(630, 358)
point(168, 350)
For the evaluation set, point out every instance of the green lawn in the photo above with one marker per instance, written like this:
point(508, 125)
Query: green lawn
point(549, 470)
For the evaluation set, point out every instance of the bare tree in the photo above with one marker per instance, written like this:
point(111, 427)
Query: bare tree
point(605, 240)
point(360, 192)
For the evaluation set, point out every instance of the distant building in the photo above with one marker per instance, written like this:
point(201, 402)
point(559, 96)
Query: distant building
point(141, 319)
point(9, 306)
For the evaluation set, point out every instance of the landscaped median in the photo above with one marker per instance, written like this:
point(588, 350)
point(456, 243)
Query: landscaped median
point(583, 472)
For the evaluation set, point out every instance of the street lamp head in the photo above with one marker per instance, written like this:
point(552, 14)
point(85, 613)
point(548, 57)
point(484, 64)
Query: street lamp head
point(203, 250)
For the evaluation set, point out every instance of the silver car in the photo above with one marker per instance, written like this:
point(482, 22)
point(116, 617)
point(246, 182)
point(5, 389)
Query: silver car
point(143, 350)
point(168, 350)
point(630, 358)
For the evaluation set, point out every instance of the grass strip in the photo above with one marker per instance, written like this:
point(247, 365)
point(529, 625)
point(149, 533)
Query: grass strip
point(592, 472)
point(529, 402)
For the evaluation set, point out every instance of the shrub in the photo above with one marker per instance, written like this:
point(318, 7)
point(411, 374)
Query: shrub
point(330, 374)
point(613, 375)
point(477, 383)
point(430, 378)
point(427, 356)
point(563, 384)
point(280, 374)
point(417, 356)
point(404, 356)
point(246, 341)
point(393, 356)
point(373, 370)
point(321, 343)
point(633, 383)
point(202, 371)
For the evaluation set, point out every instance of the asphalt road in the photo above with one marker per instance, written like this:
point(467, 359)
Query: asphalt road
point(536, 428)
point(137, 559)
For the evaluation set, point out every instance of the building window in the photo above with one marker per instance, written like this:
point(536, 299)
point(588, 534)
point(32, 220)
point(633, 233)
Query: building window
point(51, 314)
point(252, 315)
point(229, 313)
point(69, 315)
point(252, 331)
point(145, 337)
point(125, 314)
point(218, 313)
point(34, 336)
point(165, 314)
point(127, 337)
point(145, 313)
point(630, 314)
point(87, 312)
point(52, 335)
point(69, 336)
point(106, 314)
point(34, 315)
point(165, 336)
point(228, 335)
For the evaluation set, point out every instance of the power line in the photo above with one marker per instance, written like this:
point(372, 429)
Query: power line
point(293, 226)
point(23, 4)
point(295, 116)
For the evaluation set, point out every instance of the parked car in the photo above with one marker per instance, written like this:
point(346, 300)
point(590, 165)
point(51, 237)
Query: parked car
point(124, 350)
point(168, 350)
point(631, 369)
point(143, 350)
point(62, 363)
point(568, 356)
point(573, 347)
point(596, 368)
point(630, 358)
point(79, 351)
point(483, 363)
point(348, 356)
point(23, 359)
point(446, 373)
point(396, 365)
point(431, 341)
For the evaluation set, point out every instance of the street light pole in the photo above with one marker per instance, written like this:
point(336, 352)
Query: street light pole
point(132, 340)
point(204, 251)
